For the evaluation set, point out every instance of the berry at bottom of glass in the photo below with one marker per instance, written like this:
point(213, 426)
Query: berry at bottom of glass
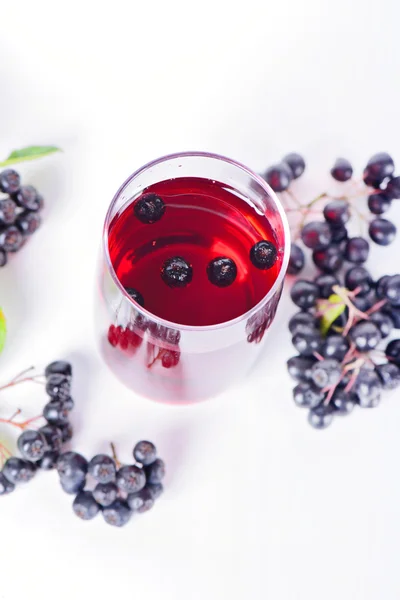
point(194, 255)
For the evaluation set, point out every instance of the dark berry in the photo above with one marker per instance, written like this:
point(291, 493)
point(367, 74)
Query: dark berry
point(117, 514)
point(389, 374)
point(221, 271)
point(356, 250)
point(102, 468)
point(141, 501)
point(393, 313)
point(66, 431)
point(381, 286)
point(342, 170)
point(343, 402)
point(149, 208)
point(56, 412)
point(68, 404)
point(156, 489)
point(306, 395)
point(378, 167)
point(337, 212)
point(279, 176)
point(391, 290)
point(358, 277)
point(176, 272)
point(32, 445)
point(27, 197)
point(328, 259)
point(393, 188)
point(59, 367)
point(296, 260)
point(335, 346)
point(73, 485)
point(316, 235)
point(6, 487)
point(9, 181)
point(170, 358)
point(155, 472)
point(131, 479)
point(299, 367)
point(105, 493)
point(326, 373)
point(135, 295)
point(383, 322)
point(301, 321)
point(368, 388)
point(338, 233)
point(307, 343)
point(18, 470)
point(70, 464)
point(379, 203)
point(263, 255)
point(85, 506)
point(145, 452)
point(321, 416)
point(49, 460)
point(382, 231)
point(8, 211)
point(58, 387)
point(11, 239)
point(365, 335)
point(325, 283)
point(296, 164)
point(28, 223)
point(304, 293)
point(3, 257)
point(393, 352)
point(362, 303)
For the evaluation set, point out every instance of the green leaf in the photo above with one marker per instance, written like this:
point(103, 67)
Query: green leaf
point(331, 309)
point(3, 330)
point(29, 153)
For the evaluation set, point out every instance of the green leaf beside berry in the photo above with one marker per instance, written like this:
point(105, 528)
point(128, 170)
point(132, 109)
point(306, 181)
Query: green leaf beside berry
point(330, 310)
point(28, 153)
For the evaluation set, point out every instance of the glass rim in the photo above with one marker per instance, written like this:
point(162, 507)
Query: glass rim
point(286, 246)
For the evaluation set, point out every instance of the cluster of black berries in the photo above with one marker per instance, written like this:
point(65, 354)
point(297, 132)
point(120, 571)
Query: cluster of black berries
point(102, 485)
point(19, 213)
point(344, 367)
point(40, 449)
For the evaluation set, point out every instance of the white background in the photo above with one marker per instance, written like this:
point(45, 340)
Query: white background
point(258, 505)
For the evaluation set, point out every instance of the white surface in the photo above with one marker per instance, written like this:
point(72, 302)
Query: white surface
point(258, 505)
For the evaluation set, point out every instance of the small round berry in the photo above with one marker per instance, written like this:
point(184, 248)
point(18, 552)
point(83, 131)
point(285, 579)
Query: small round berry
point(11, 239)
point(70, 464)
point(105, 493)
point(263, 255)
point(135, 295)
point(356, 250)
point(339, 233)
point(328, 259)
point(6, 487)
point(378, 167)
point(279, 176)
point(299, 367)
point(392, 290)
point(9, 181)
point(393, 313)
point(307, 343)
point(58, 387)
point(142, 501)
point(365, 335)
point(73, 485)
point(149, 208)
point(145, 452)
point(358, 277)
point(325, 373)
point(27, 197)
point(102, 468)
point(296, 260)
point(302, 321)
point(155, 472)
point(3, 258)
point(389, 374)
point(58, 367)
point(18, 470)
point(117, 514)
point(66, 431)
point(343, 402)
point(382, 231)
point(306, 395)
point(393, 351)
point(131, 479)
point(296, 164)
point(337, 212)
point(85, 506)
point(342, 170)
point(176, 272)
point(321, 416)
point(379, 203)
point(368, 388)
point(32, 445)
point(28, 222)
point(304, 293)
point(325, 283)
point(8, 211)
point(316, 235)
point(156, 489)
point(393, 188)
point(170, 358)
point(381, 286)
point(49, 460)
point(383, 322)
point(221, 271)
point(335, 346)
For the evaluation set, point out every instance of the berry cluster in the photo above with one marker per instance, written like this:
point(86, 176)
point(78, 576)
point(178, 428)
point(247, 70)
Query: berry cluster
point(104, 485)
point(19, 213)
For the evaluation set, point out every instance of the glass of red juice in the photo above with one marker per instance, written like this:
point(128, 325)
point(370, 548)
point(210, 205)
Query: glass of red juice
point(195, 250)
